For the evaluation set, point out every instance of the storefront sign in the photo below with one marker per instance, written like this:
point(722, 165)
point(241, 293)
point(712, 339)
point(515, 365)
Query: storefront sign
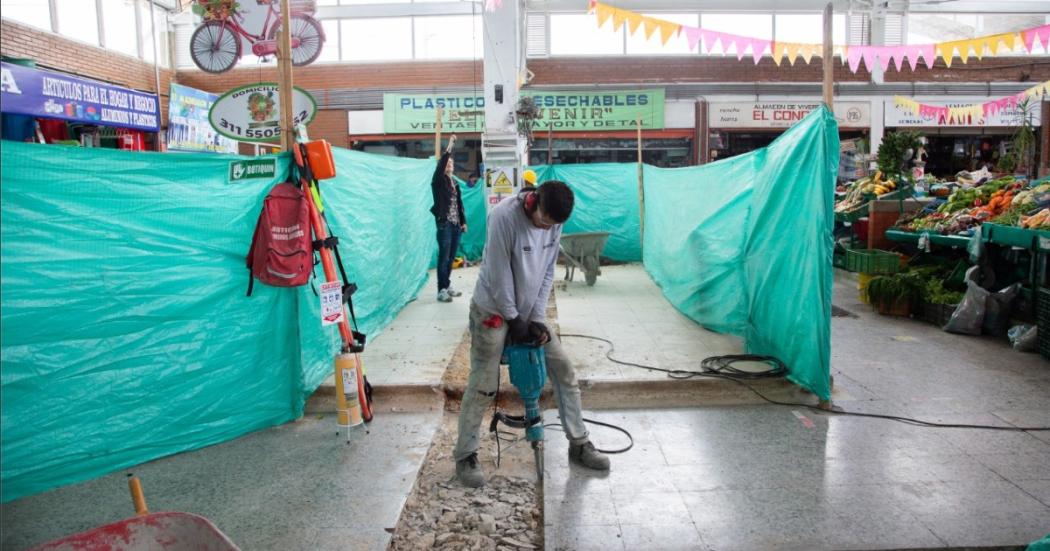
point(777, 114)
point(252, 169)
point(562, 111)
point(897, 116)
point(253, 113)
point(26, 91)
point(188, 126)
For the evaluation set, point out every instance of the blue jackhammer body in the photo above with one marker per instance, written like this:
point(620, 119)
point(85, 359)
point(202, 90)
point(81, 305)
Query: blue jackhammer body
point(528, 373)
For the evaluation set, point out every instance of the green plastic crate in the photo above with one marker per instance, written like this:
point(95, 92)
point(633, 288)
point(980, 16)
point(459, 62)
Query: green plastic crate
point(872, 261)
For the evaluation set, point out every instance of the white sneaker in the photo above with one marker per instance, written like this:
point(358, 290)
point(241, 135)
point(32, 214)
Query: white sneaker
point(453, 293)
point(443, 296)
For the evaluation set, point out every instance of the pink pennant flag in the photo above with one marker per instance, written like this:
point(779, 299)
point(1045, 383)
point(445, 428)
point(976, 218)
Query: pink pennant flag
point(692, 34)
point(1043, 33)
point(758, 47)
point(928, 53)
point(868, 54)
point(853, 56)
point(710, 37)
point(897, 54)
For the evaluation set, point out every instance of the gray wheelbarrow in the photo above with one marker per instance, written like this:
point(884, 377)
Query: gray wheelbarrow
point(582, 250)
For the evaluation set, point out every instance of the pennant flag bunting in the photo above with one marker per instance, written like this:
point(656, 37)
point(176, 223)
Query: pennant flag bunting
point(872, 56)
point(968, 113)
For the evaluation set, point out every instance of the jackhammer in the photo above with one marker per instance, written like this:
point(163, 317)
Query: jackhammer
point(528, 373)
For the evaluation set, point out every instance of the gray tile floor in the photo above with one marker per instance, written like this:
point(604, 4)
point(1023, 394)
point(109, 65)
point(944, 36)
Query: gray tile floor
point(744, 477)
point(298, 486)
point(770, 477)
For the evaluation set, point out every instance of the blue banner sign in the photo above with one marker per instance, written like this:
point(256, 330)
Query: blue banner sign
point(188, 126)
point(36, 93)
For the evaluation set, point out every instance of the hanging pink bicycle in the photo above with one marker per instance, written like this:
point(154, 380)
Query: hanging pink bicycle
point(216, 44)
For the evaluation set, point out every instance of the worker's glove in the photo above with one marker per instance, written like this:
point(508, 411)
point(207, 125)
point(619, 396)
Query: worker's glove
point(517, 330)
point(538, 333)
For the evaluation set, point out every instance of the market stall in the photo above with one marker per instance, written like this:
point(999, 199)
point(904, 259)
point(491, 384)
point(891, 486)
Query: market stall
point(56, 108)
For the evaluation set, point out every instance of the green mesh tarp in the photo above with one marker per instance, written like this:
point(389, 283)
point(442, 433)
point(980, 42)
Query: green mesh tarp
point(126, 331)
point(744, 245)
point(606, 200)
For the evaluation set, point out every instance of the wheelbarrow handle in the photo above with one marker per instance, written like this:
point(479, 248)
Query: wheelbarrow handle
point(137, 497)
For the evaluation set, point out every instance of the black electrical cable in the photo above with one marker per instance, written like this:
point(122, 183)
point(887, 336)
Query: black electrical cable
point(720, 367)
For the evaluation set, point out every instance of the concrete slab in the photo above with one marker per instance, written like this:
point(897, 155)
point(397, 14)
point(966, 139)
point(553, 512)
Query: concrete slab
point(296, 486)
point(770, 477)
point(415, 349)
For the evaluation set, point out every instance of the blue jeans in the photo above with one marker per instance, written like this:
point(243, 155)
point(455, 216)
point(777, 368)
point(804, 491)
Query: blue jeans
point(448, 243)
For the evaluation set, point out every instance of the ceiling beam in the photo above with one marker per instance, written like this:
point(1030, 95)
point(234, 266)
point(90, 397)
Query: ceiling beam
point(398, 10)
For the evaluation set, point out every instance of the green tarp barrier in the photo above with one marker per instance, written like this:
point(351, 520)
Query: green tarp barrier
point(744, 245)
point(127, 335)
point(606, 200)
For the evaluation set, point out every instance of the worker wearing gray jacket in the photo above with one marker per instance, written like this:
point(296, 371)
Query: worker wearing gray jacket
point(510, 305)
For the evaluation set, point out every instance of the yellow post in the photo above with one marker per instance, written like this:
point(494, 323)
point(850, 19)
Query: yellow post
point(137, 497)
point(641, 184)
point(284, 68)
point(437, 133)
point(829, 66)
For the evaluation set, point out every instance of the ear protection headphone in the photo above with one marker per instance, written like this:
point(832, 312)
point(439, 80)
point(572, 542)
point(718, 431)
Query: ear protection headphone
point(530, 201)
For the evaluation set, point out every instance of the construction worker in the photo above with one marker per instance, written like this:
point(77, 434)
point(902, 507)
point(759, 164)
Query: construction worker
point(510, 306)
point(528, 178)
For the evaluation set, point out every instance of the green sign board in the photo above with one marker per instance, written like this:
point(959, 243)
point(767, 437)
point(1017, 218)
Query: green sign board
point(560, 111)
point(252, 169)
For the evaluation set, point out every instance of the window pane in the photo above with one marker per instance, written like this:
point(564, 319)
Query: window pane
point(449, 37)
point(756, 25)
point(677, 44)
point(78, 19)
point(927, 28)
point(330, 49)
point(808, 28)
point(580, 35)
point(30, 12)
point(376, 39)
point(118, 20)
point(161, 24)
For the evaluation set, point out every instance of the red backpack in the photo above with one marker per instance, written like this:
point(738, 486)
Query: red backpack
point(281, 253)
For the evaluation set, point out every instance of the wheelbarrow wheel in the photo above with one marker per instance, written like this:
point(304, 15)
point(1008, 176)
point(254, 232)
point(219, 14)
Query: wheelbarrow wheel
point(592, 277)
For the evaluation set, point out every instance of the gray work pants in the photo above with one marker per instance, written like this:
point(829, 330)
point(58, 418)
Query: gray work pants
point(486, 348)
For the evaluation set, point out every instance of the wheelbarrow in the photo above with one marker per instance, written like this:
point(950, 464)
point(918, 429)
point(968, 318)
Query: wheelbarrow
point(165, 531)
point(582, 250)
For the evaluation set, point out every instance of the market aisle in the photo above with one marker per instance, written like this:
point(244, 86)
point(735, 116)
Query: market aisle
point(417, 346)
point(626, 307)
point(761, 477)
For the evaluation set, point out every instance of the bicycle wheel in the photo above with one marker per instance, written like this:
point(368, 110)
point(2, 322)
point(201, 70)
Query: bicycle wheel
point(215, 47)
point(310, 35)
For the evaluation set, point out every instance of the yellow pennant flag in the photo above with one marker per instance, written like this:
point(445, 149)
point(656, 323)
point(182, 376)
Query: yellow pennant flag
point(946, 51)
point(807, 51)
point(649, 26)
point(791, 48)
point(633, 20)
point(618, 17)
point(603, 12)
point(667, 29)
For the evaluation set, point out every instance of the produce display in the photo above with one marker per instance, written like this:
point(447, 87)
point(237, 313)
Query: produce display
point(1006, 200)
point(861, 191)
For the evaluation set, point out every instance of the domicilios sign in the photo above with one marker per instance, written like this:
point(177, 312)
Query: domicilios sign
point(253, 113)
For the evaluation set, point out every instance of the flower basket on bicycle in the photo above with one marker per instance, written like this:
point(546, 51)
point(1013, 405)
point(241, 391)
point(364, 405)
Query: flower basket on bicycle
point(216, 10)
